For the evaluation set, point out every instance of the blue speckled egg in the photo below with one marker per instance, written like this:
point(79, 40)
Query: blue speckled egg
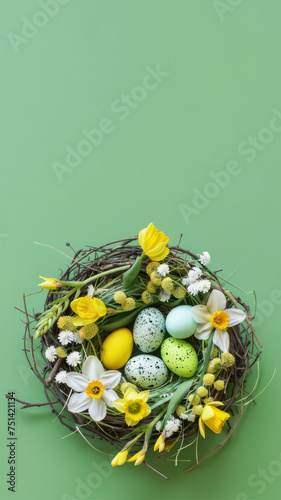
point(180, 322)
point(146, 371)
point(180, 357)
point(149, 329)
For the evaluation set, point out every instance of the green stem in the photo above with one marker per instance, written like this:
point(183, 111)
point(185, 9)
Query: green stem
point(79, 284)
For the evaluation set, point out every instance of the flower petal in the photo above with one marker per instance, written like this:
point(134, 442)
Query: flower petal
point(92, 368)
point(78, 402)
point(108, 396)
point(119, 404)
point(82, 321)
point(97, 409)
point(216, 301)
point(203, 332)
point(221, 340)
point(110, 379)
point(143, 395)
point(236, 316)
point(201, 314)
point(77, 381)
point(201, 427)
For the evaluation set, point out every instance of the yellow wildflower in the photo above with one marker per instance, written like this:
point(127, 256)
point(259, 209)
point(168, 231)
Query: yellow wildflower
point(213, 418)
point(120, 458)
point(146, 297)
point(152, 266)
point(219, 385)
point(66, 323)
point(194, 399)
point(88, 310)
point(87, 332)
point(49, 283)
point(180, 410)
point(155, 278)
point(133, 405)
point(202, 392)
point(179, 292)
point(208, 379)
point(227, 359)
point(151, 287)
point(120, 297)
point(214, 365)
point(208, 400)
point(61, 352)
point(197, 409)
point(154, 243)
point(129, 304)
point(167, 284)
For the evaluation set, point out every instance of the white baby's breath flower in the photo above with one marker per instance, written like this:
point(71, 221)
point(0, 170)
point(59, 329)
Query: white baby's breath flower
point(193, 289)
point(65, 337)
point(185, 281)
point(51, 353)
point(90, 290)
point(205, 258)
point(204, 286)
point(171, 427)
point(194, 274)
point(163, 269)
point(164, 296)
point(61, 377)
point(191, 416)
point(74, 358)
point(77, 338)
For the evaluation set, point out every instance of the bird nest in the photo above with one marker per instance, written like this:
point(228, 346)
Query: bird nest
point(176, 409)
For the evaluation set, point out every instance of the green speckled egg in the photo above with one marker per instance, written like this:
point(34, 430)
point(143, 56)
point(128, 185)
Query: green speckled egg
point(180, 357)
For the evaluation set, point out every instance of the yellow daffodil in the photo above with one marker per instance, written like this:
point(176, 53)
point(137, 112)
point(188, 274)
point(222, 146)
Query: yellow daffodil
point(160, 443)
point(138, 458)
point(133, 405)
point(153, 243)
point(88, 310)
point(120, 458)
point(213, 418)
point(49, 283)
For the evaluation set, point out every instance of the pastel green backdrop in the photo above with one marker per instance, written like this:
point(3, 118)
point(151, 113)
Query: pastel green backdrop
point(115, 114)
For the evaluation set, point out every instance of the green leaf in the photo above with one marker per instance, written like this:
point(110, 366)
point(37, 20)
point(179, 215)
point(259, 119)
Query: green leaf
point(119, 323)
point(132, 273)
point(179, 394)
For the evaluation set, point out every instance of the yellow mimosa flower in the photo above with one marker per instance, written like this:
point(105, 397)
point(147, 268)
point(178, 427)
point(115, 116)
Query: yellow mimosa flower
point(49, 283)
point(120, 458)
point(213, 418)
point(138, 458)
point(133, 405)
point(88, 310)
point(154, 243)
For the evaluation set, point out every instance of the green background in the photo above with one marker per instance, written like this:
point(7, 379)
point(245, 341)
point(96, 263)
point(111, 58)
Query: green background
point(165, 157)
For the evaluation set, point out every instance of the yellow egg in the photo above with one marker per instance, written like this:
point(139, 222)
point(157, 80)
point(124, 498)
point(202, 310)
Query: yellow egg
point(117, 348)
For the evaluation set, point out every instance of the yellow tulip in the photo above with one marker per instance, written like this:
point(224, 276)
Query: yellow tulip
point(88, 310)
point(154, 243)
point(138, 458)
point(213, 418)
point(120, 458)
point(49, 283)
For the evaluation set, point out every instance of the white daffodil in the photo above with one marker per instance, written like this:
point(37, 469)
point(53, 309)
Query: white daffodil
point(94, 388)
point(215, 315)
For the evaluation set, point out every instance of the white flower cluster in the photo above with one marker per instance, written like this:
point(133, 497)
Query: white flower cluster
point(171, 427)
point(90, 291)
point(188, 415)
point(205, 258)
point(61, 377)
point(163, 269)
point(65, 337)
point(194, 284)
point(164, 296)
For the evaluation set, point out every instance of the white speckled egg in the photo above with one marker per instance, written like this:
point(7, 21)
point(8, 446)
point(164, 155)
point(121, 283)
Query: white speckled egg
point(149, 329)
point(146, 371)
point(180, 322)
